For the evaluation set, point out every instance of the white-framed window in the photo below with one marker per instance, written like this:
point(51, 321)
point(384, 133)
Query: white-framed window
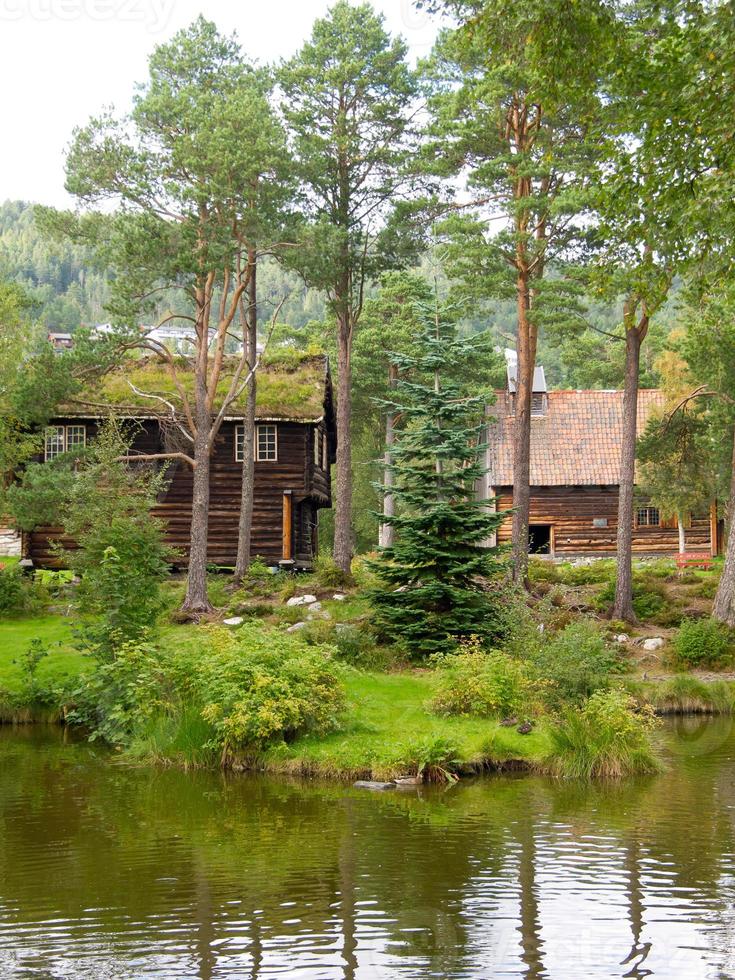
point(55, 442)
point(266, 443)
point(317, 447)
point(63, 439)
point(76, 435)
point(239, 443)
point(647, 517)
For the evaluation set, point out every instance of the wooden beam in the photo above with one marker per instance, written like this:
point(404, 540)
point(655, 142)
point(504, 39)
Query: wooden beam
point(287, 525)
point(713, 528)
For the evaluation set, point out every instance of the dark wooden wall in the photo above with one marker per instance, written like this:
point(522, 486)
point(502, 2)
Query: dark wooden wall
point(294, 470)
point(572, 511)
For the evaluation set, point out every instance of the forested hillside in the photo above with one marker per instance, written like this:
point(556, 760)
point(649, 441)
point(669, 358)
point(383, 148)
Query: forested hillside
point(59, 277)
point(67, 290)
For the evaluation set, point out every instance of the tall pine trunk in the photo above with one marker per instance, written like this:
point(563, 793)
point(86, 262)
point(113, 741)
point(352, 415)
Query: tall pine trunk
point(525, 365)
point(343, 503)
point(682, 534)
point(386, 531)
point(247, 494)
point(196, 600)
point(623, 606)
point(724, 607)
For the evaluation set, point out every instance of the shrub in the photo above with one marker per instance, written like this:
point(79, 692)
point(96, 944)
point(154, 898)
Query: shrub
point(16, 591)
point(486, 684)
point(356, 646)
point(121, 558)
point(706, 589)
point(127, 691)
point(649, 597)
point(250, 689)
point(542, 571)
point(702, 642)
point(262, 689)
point(253, 610)
point(435, 758)
point(258, 581)
point(577, 662)
point(662, 568)
point(288, 585)
point(329, 575)
point(55, 580)
point(608, 737)
point(33, 690)
point(591, 573)
point(669, 617)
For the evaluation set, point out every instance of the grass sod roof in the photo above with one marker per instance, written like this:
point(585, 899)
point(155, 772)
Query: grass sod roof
point(291, 385)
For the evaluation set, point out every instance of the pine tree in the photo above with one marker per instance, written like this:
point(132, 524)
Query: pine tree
point(433, 578)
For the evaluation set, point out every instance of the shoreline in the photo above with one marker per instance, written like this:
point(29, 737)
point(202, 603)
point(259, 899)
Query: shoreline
point(352, 754)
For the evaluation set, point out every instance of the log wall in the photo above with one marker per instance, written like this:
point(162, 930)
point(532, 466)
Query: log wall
point(571, 511)
point(294, 470)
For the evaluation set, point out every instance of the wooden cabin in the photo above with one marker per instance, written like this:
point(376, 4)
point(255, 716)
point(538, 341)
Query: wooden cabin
point(295, 446)
point(576, 441)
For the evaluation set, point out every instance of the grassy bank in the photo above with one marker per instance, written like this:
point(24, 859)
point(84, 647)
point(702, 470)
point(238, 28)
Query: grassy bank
point(387, 728)
point(389, 731)
point(383, 725)
point(62, 665)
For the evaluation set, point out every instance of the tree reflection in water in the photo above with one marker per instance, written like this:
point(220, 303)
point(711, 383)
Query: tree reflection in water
point(126, 872)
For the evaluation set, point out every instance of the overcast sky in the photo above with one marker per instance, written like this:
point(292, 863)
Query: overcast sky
point(62, 60)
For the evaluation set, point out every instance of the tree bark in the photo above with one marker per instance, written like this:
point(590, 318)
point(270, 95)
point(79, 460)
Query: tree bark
point(682, 534)
point(724, 606)
point(196, 600)
point(245, 523)
point(525, 367)
point(343, 504)
point(623, 606)
point(386, 535)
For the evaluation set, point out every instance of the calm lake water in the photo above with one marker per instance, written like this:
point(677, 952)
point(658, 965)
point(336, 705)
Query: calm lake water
point(113, 872)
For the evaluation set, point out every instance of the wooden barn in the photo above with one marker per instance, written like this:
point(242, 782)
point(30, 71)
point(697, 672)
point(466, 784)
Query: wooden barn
point(295, 445)
point(575, 464)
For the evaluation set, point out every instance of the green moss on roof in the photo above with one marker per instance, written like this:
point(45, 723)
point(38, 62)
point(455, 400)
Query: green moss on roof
point(291, 385)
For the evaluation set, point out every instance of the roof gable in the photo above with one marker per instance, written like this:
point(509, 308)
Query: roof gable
point(577, 442)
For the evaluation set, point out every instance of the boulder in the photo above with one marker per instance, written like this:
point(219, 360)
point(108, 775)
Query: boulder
point(315, 607)
point(409, 780)
point(621, 638)
point(301, 600)
point(296, 627)
point(373, 784)
point(233, 621)
point(339, 596)
point(653, 643)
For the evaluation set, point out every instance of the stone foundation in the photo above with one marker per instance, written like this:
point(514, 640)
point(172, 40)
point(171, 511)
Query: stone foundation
point(9, 541)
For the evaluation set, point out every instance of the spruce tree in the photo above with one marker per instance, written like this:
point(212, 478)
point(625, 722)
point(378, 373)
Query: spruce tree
point(434, 578)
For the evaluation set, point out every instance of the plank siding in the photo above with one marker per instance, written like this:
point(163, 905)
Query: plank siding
point(293, 470)
point(572, 510)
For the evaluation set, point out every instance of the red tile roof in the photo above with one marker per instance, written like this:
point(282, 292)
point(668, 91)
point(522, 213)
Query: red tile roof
point(577, 442)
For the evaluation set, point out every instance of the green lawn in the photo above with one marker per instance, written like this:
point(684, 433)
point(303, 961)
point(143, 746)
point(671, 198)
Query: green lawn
point(54, 632)
point(388, 722)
